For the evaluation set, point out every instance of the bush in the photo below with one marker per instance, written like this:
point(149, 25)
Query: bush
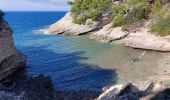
point(119, 9)
point(79, 20)
point(162, 27)
point(118, 21)
point(93, 15)
point(70, 3)
point(130, 12)
point(92, 7)
point(142, 10)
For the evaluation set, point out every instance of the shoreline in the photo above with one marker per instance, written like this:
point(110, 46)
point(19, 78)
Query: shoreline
point(21, 87)
point(138, 38)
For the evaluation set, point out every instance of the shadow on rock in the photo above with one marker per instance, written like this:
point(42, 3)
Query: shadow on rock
point(68, 79)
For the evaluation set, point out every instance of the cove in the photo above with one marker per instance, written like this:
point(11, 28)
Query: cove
point(77, 62)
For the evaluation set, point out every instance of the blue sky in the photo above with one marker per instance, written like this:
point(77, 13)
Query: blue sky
point(34, 5)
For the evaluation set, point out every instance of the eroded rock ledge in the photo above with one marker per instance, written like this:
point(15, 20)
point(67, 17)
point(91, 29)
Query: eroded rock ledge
point(10, 59)
point(67, 27)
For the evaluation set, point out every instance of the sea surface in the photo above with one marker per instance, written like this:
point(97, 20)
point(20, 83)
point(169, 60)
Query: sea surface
point(75, 62)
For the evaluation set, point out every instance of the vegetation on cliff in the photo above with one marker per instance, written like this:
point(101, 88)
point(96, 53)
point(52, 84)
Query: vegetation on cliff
point(88, 9)
point(138, 11)
point(126, 13)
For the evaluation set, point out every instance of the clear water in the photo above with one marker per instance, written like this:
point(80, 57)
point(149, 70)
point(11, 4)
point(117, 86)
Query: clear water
point(77, 62)
point(55, 55)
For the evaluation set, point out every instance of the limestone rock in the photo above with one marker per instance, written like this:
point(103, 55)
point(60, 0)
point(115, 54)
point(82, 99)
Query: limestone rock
point(108, 34)
point(10, 58)
point(131, 92)
point(67, 27)
point(145, 40)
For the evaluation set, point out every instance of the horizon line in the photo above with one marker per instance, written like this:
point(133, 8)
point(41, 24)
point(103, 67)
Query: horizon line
point(35, 11)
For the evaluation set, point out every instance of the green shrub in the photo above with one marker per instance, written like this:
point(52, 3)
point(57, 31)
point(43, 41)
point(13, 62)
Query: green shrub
point(119, 9)
point(162, 27)
point(93, 15)
point(79, 20)
point(125, 14)
point(90, 8)
point(118, 21)
point(142, 10)
point(70, 3)
point(140, 14)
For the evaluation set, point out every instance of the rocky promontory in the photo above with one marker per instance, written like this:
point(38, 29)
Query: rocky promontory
point(10, 58)
point(67, 27)
point(146, 31)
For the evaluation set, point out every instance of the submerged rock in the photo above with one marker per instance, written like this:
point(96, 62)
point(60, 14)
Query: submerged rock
point(10, 59)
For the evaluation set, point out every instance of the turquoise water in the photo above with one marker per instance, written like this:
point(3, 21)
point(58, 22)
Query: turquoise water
point(60, 57)
point(76, 62)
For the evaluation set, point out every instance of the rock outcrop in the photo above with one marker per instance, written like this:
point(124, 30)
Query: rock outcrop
point(143, 39)
point(155, 91)
point(108, 34)
point(67, 27)
point(40, 88)
point(10, 59)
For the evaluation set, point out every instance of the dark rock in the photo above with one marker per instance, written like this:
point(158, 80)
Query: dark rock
point(163, 95)
point(41, 88)
point(1, 15)
point(130, 88)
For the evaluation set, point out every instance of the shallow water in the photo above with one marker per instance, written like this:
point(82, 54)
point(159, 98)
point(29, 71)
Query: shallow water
point(76, 62)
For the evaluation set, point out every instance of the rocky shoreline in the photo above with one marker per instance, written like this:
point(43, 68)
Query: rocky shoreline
point(15, 85)
point(21, 87)
point(138, 36)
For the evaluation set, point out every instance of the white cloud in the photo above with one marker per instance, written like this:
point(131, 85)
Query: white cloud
point(53, 2)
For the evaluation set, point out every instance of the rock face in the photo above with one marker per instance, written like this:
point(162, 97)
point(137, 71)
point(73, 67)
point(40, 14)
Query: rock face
point(108, 34)
point(67, 27)
point(143, 39)
point(40, 88)
point(155, 91)
point(137, 36)
point(10, 58)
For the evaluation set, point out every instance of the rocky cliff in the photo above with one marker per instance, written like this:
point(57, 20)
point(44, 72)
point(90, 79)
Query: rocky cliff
point(67, 27)
point(138, 35)
point(10, 59)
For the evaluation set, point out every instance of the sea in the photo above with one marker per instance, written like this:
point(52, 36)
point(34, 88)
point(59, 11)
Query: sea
point(57, 56)
point(75, 62)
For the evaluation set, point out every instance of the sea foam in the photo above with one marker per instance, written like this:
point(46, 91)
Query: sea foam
point(41, 31)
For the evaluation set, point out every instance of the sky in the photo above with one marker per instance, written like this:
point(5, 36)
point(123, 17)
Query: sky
point(34, 5)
